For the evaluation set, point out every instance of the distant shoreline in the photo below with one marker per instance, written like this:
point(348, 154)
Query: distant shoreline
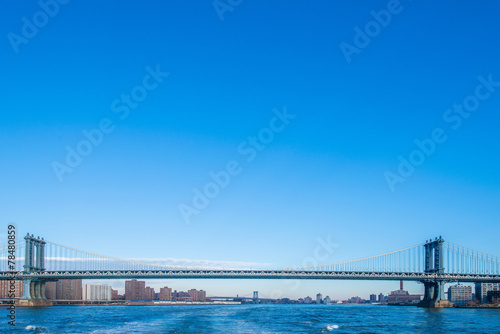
point(218, 303)
point(487, 306)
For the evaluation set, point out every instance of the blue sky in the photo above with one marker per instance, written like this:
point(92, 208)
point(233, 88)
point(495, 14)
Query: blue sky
point(323, 175)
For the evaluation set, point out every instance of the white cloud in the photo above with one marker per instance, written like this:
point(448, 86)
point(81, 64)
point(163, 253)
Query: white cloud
point(204, 263)
point(163, 262)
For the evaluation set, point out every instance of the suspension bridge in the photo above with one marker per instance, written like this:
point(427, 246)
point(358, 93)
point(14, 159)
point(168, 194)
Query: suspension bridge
point(433, 263)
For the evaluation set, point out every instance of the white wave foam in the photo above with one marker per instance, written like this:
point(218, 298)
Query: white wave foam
point(332, 327)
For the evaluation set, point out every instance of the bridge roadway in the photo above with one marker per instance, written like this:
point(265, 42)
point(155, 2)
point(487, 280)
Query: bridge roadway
point(249, 274)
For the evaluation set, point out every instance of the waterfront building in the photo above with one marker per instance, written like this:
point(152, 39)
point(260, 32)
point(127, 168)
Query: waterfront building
point(202, 296)
point(356, 300)
point(69, 289)
point(327, 300)
point(149, 293)
point(493, 297)
point(135, 290)
point(373, 298)
point(96, 292)
point(50, 290)
point(319, 298)
point(114, 294)
point(308, 300)
point(197, 295)
point(402, 296)
point(482, 291)
point(460, 294)
point(193, 294)
point(166, 293)
point(381, 298)
point(5, 289)
point(180, 296)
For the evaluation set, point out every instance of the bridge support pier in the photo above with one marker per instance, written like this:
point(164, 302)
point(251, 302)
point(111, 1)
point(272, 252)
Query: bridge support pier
point(434, 296)
point(33, 295)
point(434, 290)
point(34, 290)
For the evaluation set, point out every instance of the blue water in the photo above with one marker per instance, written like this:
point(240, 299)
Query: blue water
point(253, 319)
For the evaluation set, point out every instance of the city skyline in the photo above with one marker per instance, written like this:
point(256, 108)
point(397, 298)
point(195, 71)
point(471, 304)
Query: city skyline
point(88, 290)
point(140, 291)
point(160, 131)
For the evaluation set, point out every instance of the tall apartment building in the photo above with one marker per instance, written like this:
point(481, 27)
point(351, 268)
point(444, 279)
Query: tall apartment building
point(135, 290)
point(460, 294)
point(149, 293)
point(114, 294)
point(66, 289)
point(50, 290)
point(5, 288)
point(96, 292)
point(193, 294)
point(482, 290)
point(197, 295)
point(202, 296)
point(166, 293)
point(319, 298)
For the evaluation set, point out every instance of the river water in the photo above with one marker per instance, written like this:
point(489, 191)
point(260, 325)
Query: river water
point(252, 319)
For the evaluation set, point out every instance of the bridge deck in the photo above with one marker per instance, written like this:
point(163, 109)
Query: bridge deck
point(249, 274)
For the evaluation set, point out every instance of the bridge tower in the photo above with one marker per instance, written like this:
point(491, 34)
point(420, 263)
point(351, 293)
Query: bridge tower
point(34, 261)
point(434, 289)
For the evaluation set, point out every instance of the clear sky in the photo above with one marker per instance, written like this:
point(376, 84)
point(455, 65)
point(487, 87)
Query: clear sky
point(359, 88)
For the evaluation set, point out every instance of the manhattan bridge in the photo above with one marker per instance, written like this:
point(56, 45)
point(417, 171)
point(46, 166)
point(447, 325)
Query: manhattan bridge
point(433, 263)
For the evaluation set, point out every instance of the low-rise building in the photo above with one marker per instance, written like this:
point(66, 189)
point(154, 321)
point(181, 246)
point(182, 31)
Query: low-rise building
point(96, 292)
point(493, 297)
point(460, 294)
point(482, 291)
point(402, 296)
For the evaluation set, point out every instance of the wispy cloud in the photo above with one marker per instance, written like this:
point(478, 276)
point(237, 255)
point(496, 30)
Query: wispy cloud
point(204, 263)
point(163, 262)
